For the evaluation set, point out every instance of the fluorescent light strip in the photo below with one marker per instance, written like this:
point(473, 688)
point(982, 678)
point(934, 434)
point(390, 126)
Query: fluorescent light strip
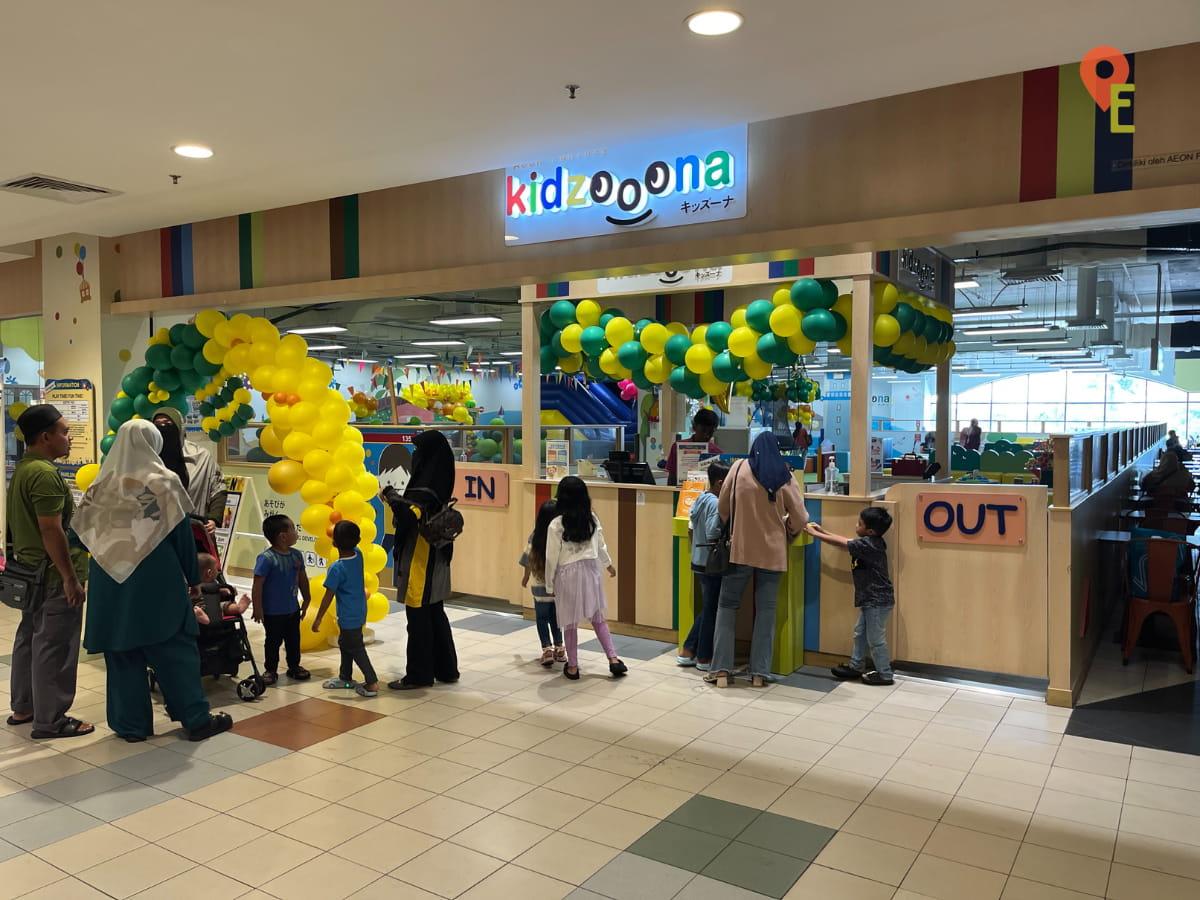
point(1070, 351)
point(969, 283)
point(981, 312)
point(466, 320)
point(361, 361)
point(447, 343)
point(1004, 330)
point(415, 356)
point(317, 348)
point(511, 352)
point(317, 329)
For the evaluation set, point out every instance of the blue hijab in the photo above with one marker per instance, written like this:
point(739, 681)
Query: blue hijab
point(767, 465)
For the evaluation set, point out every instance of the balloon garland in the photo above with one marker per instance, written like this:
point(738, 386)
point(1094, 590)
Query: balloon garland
point(320, 455)
point(909, 333)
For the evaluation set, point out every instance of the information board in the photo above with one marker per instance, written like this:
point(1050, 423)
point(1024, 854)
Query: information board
point(75, 398)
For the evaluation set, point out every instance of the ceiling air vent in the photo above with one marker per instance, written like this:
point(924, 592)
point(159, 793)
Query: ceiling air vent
point(49, 188)
point(1029, 274)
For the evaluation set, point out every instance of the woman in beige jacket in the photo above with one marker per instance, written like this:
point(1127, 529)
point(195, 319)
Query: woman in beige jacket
point(767, 509)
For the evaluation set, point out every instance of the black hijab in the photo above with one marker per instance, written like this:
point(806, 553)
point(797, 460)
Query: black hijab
point(432, 471)
point(172, 451)
point(767, 465)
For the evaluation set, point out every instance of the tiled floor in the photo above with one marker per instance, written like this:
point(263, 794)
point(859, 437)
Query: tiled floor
point(515, 783)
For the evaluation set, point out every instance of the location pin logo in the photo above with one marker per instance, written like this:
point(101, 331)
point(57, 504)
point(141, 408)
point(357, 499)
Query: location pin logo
point(1097, 85)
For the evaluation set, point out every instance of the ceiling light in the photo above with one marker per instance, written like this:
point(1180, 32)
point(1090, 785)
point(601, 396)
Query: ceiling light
point(436, 343)
point(320, 347)
point(1008, 329)
point(511, 237)
point(193, 151)
point(977, 312)
point(714, 22)
point(511, 352)
point(969, 283)
point(465, 320)
point(360, 360)
point(833, 351)
point(1071, 351)
point(317, 329)
point(414, 356)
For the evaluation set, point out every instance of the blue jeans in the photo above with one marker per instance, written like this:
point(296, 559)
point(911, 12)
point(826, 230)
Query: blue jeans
point(762, 640)
point(869, 632)
point(700, 639)
point(547, 622)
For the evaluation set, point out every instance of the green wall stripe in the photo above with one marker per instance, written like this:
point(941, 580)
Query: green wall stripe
point(350, 234)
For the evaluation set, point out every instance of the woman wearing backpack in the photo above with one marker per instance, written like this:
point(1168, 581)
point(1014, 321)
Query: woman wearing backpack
point(422, 571)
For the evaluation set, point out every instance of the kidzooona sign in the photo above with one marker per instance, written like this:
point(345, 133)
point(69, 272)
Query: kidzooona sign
point(674, 181)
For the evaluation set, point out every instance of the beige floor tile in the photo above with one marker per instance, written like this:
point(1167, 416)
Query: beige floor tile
point(1016, 748)
point(924, 750)
point(387, 730)
point(972, 848)
point(44, 770)
point(386, 762)
point(200, 881)
point(1087, 784)
point(71, 888)
point(1130, 883)
point(837, 783)
point(627, 761)
point(290, 769)
point(447, 870)
point(648, 799)
point(651, 740)
point(608, 825)
point(473, 724)
point(753, 792)
point(156, 822)
point(1024, 889)
point(1066, 870)
point(1060, 805)
point(901, 726)
point(337, 783)
point(385, 847)
point(1092, 762)
point(821, 883)
point(702, 753)
point(1042, 720)
point(436, 775)
point(688, 777)
point(489, 791)
point(1165, 774)
point(860, 762)
point(280, 808)
point(514, 881)
point(273, 855)
point(566, 857)
point(480, 754)
point(1092, 745)
point(771, 768)
point(1158, 796)
point(26, 873)
point(1169, 826)
point(1000, 792)
point(908, 799)
point(1073, 837)
point(332, 825)
point(135, 871)
point(795, 748)
point(760, 718)
point(947, 880)
point(532, 768)
point(569, 747)
point(820, 809)
point(1009, 769)
point(501, 836)
point(878, 742)
point(1155, 853)
point(866, 858)
point(889, 827)
point(1167, 757)
point(736, 735)
point(586, 782)
point(387, 799)
point(819, 730)
point(89, 848)
point(347, 746)
point(441, 816)
point(224, 795)
point(211, 838)
point(1001, 821)
point(327, 877)
point(1032, 735)
point(955, 737)
point(607, 731)
point(930, 776)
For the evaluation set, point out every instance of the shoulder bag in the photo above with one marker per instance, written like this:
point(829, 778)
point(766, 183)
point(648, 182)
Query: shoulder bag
point(23, 586)
point(718, 556)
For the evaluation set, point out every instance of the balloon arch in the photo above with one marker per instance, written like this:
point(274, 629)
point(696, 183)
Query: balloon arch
point(321, 456)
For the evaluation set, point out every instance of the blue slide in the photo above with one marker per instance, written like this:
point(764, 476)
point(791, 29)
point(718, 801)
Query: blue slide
point(593, 405)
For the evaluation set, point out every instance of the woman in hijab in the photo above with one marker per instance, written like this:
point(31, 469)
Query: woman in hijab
point(195, 466)
point(143, 575)
point(422, 572)
point(1170, 479)
point(172, 446)
point(765, 508)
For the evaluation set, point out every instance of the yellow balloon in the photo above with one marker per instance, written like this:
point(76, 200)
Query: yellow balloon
point(350, 504)
point(335, 411)
point(609, 364)
point(699, 333)
point(366, 484)
point(374, 558)
point(263, 378)
point(315, 519)
point(801, 345)
point(214, 352)
point(352, 434)
point(756, 367)
point(737, 318)
point(316, 370)
point(587, 312)
point(699, 358)
point(677, 328)
point(845, 345)
point(86, 475)
point(886, 297)
point(206, 320)
point(571, 338)
point(657, 369)
point(162, 336)
point(316, 461)
point(312, 389)
point(712, 384)
point(886, 330)
point(568, 364)
point(370, 581)
point(223, 333)
point(260, 355)
point(262, 331)
point(339, 477)
point(312, 641)
point(781, 296)
point(743, 341)
point(619, 330)
point(328, 434)
point(269, 440)
point(286, 476)
point(315, 491)
point(323, 547)
point(366, 525)
point(238, 359)
point(377, 607)
point(305, 415)
point(654, 337)
point(843, 306)
point(298, 444)
point(351, 455)
point(785, 319)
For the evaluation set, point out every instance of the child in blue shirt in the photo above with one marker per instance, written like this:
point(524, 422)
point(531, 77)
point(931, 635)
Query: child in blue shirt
point(705, 526)
point(278, 575)
point(345, 581)
point(534, 561)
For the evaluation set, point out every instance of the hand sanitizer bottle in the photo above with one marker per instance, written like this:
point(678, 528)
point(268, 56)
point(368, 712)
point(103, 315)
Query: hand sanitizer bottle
point(832, 476)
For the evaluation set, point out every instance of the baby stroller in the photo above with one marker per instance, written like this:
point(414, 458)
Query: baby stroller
point(224, 643)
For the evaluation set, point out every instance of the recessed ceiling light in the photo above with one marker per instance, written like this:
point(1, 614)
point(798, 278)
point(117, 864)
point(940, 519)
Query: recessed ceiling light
point(193, 151)
point(317, 329)
point(436, 343)
point(414, 356)
point(319, 347)
point(712, 22)
point(465, 320)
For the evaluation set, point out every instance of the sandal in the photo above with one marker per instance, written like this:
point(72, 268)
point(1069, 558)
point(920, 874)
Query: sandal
point(13, 720)
point(216, 723)
point(269, 677)
point(560, 653)
point(299, 674)
point(720, 679)
point(547, 659)
point(71, 727)
point(363, 691)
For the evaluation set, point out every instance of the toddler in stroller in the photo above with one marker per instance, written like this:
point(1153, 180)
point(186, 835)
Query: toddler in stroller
point(217, 598)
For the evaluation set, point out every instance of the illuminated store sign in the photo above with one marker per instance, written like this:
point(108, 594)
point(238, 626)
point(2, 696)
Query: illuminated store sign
point(674, 181)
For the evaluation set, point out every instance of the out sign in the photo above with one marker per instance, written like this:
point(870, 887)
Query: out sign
point(971, 517)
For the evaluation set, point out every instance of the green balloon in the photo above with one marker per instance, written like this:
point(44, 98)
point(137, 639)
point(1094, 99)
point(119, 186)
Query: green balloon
point(225, 429)
point(639, 378)
point(207, 409)
point(684, 380)
point(113, 422)
point(807, 294)
point(613, 311)
point(556, 346)
point(158, 356)
point(594, 340)
point(191, 381)
point(183, 357)
point(233, 383)
point(142, 406)
point(176, 333)
point(562, 314)
point(106, 442)
point(717, 335)
point(487, 447)
point(919, 324)
point(632, 355)
point(193, 338)
point(214, 435)
point(677, 348)
point(831, 292)
point(592, 367)
point(905, 315)
point(839, 326)
point(414, 420)
point(122, 408)
point(166, 379)
point(820, 325)
point(137, 381)
point(640, 325)
point(727, 367)
point(546, 326)
point(497, 421)
point(549, 360)
point(203, 367)
point(758, 315)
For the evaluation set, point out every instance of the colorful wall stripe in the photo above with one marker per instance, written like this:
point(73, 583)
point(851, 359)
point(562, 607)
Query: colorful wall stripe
point(554, 289)
point(791, 268)
point(343, 237)
point(250, 249)
point(175, 260)
point(701, 307)
point(1067, 145)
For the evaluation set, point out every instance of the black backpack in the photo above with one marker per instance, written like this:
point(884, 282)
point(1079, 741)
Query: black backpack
point(440, 528)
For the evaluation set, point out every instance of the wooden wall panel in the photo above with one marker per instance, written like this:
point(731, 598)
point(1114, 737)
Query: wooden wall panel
point(215, 255)
point(1166, 121)
point(295, 243)
point(21, 286)
point(139, 269)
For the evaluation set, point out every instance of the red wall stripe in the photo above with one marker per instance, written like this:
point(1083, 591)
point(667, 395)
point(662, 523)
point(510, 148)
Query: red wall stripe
point(1039, 134)
point(807, 266)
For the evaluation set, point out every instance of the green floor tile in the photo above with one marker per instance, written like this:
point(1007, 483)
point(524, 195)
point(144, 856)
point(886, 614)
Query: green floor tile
point(782, 834)
point(755, 869)
point(675, 845)
point(714, 816)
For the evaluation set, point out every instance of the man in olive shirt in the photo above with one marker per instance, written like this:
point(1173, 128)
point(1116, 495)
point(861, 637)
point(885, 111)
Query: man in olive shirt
point(45, 654)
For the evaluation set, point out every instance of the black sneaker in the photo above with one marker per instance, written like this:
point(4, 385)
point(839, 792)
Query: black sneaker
point(844, 672)
point(874, 677)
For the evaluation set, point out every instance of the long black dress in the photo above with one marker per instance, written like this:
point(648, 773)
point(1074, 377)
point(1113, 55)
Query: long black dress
point(422, 572)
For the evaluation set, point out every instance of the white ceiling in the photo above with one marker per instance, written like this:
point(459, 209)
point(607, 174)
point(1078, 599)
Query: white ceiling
point(307, 99)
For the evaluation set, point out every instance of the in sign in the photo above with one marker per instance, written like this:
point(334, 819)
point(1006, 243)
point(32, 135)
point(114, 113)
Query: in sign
point(481, 487)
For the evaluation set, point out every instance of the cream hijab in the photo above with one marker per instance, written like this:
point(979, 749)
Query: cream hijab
point(133, 504)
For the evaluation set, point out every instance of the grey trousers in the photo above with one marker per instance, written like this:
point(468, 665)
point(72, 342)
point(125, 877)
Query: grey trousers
point(45, 659)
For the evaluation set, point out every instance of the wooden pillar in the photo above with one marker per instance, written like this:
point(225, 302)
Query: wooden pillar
point(942, 431)
point(861, 352)
point(531, 392)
